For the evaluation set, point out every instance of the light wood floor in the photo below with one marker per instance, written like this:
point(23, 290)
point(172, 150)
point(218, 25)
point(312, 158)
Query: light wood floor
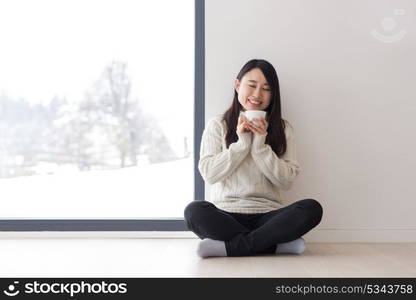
point(77, 257)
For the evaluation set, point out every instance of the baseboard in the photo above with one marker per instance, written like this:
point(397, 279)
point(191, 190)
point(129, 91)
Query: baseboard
point(319, 235)
point(361, 235)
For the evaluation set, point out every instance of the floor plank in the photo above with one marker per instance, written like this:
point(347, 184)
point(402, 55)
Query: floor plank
point(129, 257)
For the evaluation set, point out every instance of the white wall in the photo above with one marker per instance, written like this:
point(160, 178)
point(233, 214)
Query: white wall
point(350, 97)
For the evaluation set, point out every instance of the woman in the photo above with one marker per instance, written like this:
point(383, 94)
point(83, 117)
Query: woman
point(248, 163)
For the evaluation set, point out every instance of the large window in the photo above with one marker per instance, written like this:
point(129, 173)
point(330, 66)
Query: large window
point(97, 109)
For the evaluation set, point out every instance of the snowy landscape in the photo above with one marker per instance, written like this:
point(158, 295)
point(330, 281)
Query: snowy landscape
point(160, 190)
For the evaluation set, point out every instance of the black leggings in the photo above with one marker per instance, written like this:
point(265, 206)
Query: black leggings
point(252, 234)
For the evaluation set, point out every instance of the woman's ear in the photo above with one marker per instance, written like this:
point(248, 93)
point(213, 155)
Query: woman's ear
point(237, 85)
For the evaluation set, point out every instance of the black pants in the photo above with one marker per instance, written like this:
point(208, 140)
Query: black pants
point(252, 234)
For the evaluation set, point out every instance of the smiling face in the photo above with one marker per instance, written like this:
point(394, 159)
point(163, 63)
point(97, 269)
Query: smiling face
point(253, 91)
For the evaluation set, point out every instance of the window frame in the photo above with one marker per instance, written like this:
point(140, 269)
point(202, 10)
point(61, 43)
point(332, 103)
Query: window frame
point(162, 224)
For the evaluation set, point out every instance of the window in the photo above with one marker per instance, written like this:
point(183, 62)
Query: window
point(100, 102)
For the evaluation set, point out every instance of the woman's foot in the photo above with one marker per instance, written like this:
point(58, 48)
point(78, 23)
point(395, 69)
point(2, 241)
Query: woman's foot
point(208, 247)
point(294, 247)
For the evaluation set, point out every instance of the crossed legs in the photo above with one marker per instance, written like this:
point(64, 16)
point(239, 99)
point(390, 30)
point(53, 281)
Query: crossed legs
point(265, 231)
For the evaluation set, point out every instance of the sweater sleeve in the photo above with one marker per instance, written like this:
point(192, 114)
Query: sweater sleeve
point(216, 164)
point(280, 171)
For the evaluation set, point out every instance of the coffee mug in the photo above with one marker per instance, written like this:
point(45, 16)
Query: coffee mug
point(255, 114)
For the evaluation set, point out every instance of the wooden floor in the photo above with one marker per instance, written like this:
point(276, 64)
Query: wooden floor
point(79, 257)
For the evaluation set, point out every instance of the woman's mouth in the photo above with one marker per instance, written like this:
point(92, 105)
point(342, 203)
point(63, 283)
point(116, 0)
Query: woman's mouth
point(254, 102)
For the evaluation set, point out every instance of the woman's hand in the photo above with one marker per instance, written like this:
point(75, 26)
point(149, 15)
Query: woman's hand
point(258, 126)
point(242, 126)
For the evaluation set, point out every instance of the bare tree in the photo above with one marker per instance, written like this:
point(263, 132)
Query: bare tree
point(127, 126)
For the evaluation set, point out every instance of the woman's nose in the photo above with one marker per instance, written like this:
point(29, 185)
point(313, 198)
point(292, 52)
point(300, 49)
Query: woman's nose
point(256, 93)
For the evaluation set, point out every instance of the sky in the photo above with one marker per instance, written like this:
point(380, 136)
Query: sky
point(56, 47)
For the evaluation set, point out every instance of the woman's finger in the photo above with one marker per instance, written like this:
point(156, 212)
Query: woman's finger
point(245, 125)
point(253, 128)
point(250, 123)
point(258, 125)
point(258, 129)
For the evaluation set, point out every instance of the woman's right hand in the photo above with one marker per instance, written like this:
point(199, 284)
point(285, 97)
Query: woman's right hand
point(242, 126)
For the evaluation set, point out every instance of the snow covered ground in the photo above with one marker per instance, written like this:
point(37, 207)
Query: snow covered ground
point(152, 191)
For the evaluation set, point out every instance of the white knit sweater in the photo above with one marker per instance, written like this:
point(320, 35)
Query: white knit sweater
point(248, 176)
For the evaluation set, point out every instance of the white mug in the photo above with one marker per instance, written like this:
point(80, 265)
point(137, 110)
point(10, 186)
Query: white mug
point(255, 114)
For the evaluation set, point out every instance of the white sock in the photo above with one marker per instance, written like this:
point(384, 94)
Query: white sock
point(295, 247)
point(208, 247)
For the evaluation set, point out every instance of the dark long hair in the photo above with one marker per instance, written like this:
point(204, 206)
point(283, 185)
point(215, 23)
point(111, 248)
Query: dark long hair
point(276, 130)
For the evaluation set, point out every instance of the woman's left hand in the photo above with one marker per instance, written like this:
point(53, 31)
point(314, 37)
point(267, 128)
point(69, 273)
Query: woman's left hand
point(258, 126)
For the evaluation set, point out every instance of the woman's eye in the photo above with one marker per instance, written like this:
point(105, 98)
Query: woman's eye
point(253, 86)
